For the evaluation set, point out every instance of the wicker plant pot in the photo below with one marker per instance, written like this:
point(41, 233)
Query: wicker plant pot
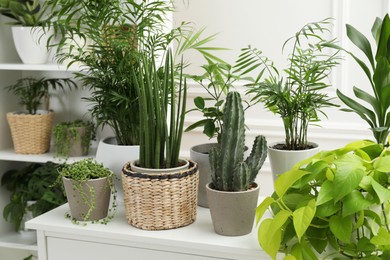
point(158, 201)
point(31, 133)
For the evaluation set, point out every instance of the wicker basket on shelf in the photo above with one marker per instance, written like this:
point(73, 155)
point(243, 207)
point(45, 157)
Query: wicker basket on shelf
point(30, 133)
point(160, 201)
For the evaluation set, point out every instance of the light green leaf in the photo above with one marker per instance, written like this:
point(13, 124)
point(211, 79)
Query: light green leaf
point(303, 252)
point(302, 218)
point(262, 208)
point(286, 180)
point(325, 193)
point(382, 164)
point(327, 209)
point(289, 257)
point(341, 228)
point(382, 192)
point(349, 172)
point(354, 202)
point(269, 242)
point(382, 239)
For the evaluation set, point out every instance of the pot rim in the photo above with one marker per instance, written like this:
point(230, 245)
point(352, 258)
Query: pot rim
point(232, 192)
point(271, 145)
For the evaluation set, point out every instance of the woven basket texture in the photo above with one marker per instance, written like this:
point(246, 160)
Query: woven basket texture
point(160, 201)
point(30, 133)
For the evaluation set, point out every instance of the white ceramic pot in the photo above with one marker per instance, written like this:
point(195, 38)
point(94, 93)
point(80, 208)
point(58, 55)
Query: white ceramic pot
point(30, 43)
point(114, 156)
point(283, 160)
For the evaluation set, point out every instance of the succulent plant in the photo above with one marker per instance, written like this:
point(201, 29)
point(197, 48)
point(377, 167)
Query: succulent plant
point(229, 170)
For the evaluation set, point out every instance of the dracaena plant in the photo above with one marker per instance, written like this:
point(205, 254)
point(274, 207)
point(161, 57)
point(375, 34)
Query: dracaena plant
point(372, 108)
point(298, 97)
point(334, 205)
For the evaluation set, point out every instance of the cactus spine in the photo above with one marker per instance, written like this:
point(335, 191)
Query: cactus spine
point(229, 170)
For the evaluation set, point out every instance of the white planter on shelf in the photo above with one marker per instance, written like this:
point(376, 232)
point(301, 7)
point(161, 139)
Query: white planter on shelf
point(114, 156)
point(31, 44)
point(283, 160)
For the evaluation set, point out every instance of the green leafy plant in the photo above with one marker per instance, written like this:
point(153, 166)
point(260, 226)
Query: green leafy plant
point(31, 183)
point(117, 32)
point(217, 80)
point(298, 98)
point(162, 107)
point(229, 170)
point(25, 12)
point(377, 71)
point(32, 91)
point(82, 171)
point(67, 133)
point(336, 204)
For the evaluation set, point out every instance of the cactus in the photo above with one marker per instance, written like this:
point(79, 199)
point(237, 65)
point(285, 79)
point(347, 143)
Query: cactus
point(229, 170)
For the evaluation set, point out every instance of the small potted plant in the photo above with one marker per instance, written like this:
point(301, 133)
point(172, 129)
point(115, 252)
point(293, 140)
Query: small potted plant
point(31, 128)
point(88, 186)
point(72, 138)
point(32, 193)
point(298, 98)
point(29, 30)
point(232, 195)
point(335, 205)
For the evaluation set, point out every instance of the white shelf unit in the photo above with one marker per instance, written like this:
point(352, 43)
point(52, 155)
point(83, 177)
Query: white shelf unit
point(27, 240)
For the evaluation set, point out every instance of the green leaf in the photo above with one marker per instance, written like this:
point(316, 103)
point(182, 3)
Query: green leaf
point(361, 42)
point(325, 194)
point(382, 192)
point(382, 164)
point(289, 257)
point(328, 209)
point(349, 172)
point(286, 180)
point(199, 102)
point(364, 245)
point(260, 210)
point(354, 202)
point(341, 228)
point(270, 242)
point(382, 239)
point(196, 124)
point(209, 128)
point(302, 218)
point(303, 252)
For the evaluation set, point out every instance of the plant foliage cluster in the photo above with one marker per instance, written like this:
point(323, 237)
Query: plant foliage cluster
point(336, 203)
point(25, 12)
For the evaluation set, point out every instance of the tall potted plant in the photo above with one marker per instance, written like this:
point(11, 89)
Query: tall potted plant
point(31, 128)
point(233, 193)
point(298, 98)
point(29, 30)
point(160, 190)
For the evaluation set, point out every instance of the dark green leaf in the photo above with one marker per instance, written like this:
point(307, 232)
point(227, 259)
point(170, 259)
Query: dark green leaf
point(341, 228)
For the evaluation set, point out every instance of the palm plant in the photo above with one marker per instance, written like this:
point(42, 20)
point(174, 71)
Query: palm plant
point(25, 12)
point(378, 74)
point(298, 97)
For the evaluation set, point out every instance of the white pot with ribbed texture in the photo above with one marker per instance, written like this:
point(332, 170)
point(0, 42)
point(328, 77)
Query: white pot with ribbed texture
point(30, 44)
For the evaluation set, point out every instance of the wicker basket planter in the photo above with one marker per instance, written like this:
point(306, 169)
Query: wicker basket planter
point(31, 133)
point(158, 201)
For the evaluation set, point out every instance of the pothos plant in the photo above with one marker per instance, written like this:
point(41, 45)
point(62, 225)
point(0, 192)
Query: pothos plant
point(67, 133)
point(82, 171)
point(333, 205)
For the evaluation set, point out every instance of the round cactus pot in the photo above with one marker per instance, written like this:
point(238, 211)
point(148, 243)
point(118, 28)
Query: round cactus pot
point(232, 213)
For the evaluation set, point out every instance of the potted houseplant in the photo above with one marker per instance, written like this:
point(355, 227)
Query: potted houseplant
point(72, 138)
point(298, 98)
point(160, 190)
point(29, 30)
point(88, 186)
point(333, 205)
point(106, 60)
point(377, 72)
point(31, 128)
point(233, 193)
point(32, 193)
point(217, 80)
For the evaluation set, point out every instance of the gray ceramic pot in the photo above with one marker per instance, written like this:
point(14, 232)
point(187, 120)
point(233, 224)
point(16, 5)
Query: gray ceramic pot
point(232, 213)
point(80, 199)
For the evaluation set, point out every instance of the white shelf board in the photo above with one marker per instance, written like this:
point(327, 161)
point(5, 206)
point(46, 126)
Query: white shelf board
point(37, 67)
point(24, 240)
point(10, 155)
